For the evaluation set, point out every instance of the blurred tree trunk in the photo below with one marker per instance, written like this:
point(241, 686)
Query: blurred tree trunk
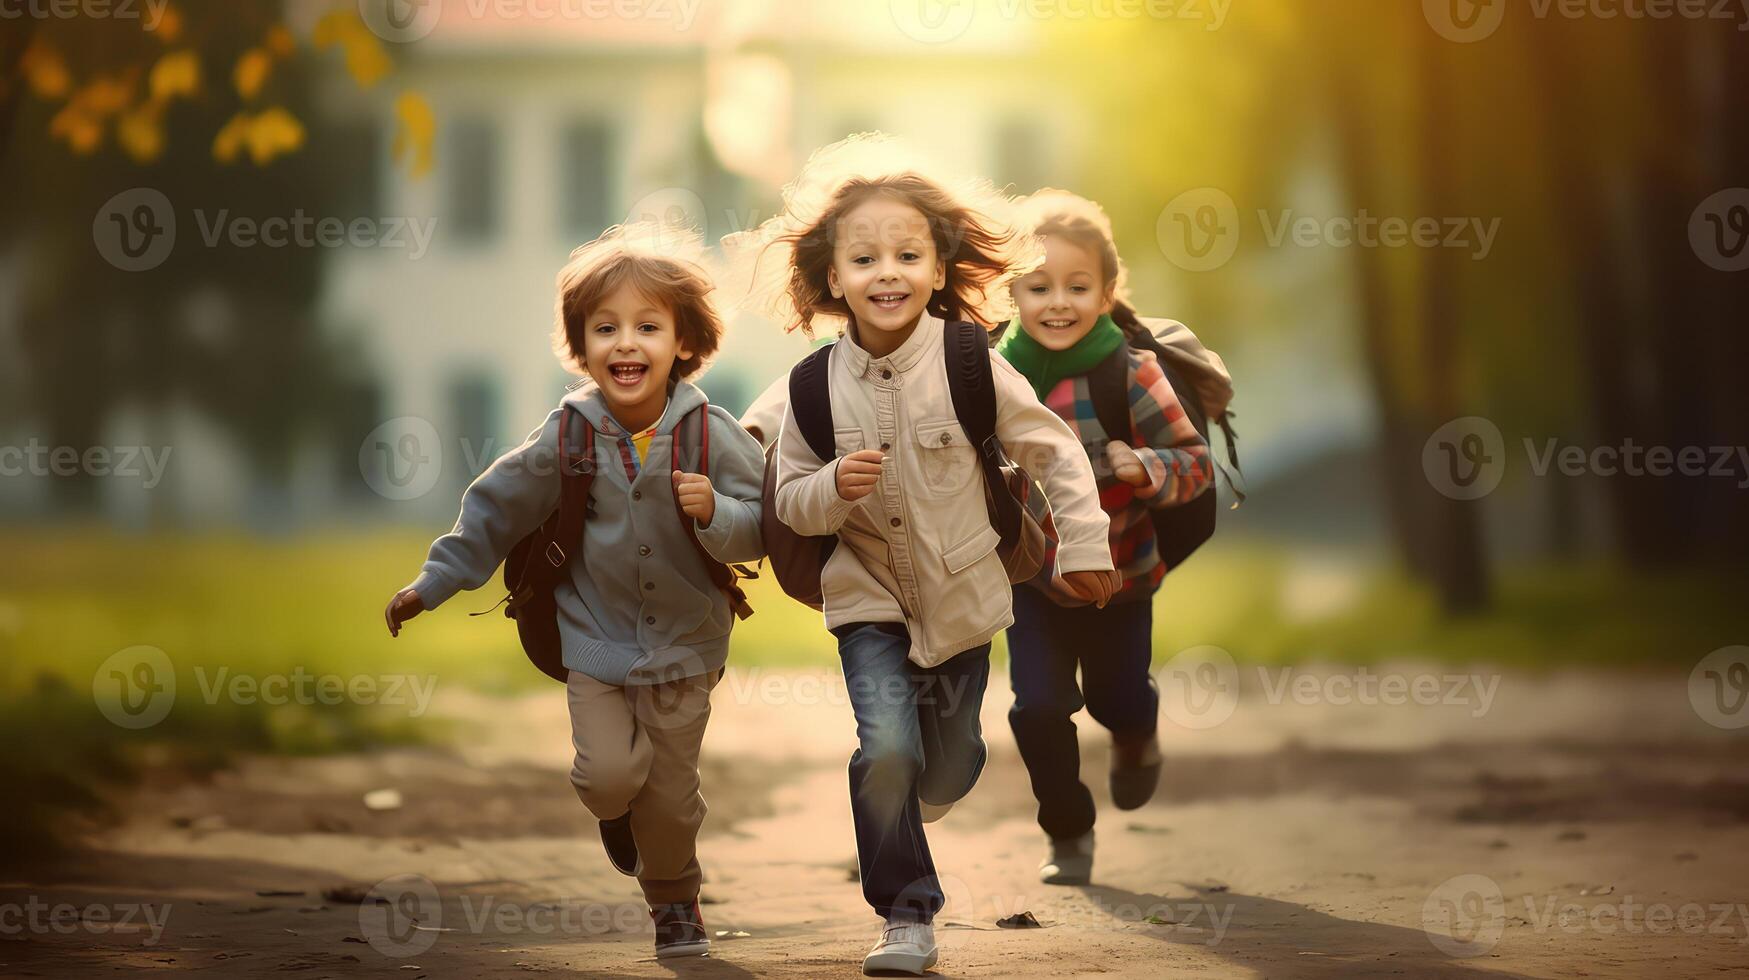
point(1357, 158)
point(1458, 564)
point(1581, 179)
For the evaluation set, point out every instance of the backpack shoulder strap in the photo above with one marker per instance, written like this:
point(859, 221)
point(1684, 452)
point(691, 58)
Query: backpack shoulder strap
point(1109, 386)
point(692, 440)
point(969, 380)
point(576, 476)
point(972, 387)
point(810, 397)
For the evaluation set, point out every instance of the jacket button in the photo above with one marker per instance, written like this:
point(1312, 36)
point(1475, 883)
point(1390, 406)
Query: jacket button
point(644, 550)
point(649, 620)
point(895, 522)
point(886, 375)
point(886, 447)
point(649, 586)
point(637, 494)
point(946, 438)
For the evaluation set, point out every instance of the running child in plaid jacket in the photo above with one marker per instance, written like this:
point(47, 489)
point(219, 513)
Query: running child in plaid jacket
point(1070, 310)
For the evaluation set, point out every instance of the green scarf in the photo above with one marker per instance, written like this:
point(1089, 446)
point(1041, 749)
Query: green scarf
point(1044, 367)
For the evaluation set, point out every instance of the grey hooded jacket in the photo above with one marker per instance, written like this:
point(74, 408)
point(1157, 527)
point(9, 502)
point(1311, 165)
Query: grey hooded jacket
point(639, 606)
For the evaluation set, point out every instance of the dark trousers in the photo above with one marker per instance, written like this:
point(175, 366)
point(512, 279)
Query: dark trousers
point(918, 737)
point(1045, 645)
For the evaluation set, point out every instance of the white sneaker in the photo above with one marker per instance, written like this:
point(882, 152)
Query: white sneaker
point(1069, 863)
point(933, 811)
point(905, 947)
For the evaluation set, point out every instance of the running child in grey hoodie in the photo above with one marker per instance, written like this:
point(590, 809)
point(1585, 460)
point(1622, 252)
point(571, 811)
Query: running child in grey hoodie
point(645, 632)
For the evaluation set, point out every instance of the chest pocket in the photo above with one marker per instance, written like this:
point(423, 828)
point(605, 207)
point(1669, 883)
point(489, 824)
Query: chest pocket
point(948, 462)
point(848, 441)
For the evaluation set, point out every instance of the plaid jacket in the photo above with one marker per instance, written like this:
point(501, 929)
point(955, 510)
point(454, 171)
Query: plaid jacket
point(1176, 457)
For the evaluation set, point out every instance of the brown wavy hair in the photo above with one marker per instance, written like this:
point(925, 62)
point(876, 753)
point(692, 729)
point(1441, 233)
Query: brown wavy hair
point(966, 241)
point(602, 266)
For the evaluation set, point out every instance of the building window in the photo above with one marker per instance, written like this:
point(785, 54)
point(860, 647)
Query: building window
point(1020, 157)
point(473, 179)
point(476, 402)
point(585, 179)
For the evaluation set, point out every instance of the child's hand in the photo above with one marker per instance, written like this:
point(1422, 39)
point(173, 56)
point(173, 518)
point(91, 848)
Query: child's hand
point(1126, 464)
point(858, 473)
point(697, 500)
point(1095, 587)
point(404, 606)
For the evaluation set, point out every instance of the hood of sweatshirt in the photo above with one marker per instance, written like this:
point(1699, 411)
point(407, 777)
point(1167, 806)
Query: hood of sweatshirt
point(588, 399)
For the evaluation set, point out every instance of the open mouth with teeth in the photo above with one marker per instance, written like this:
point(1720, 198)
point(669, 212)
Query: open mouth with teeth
point(627, 374)
point(1059, 323)
point(888, 300)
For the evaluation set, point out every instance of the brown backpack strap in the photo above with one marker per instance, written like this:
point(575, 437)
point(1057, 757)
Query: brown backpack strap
point(694, 430)
point(576, 476)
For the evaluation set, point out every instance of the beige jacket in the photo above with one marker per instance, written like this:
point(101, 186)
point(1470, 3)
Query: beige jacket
point(920, 549)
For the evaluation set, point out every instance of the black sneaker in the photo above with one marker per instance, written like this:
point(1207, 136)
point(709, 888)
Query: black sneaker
point(622, 847)
point(680, 930)
point(1135, 770)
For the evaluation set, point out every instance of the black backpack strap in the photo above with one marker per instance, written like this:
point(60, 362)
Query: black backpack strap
point(810, 397)
point(1109, 386)
point(973, 389)
point(694, 434)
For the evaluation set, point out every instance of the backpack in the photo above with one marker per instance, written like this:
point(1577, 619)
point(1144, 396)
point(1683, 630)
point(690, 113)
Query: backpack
point(1009, 492)
point(1180, 530)
point(536, 563)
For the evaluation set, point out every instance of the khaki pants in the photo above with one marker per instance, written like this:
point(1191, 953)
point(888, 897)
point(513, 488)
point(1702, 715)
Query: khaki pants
point(637, 749)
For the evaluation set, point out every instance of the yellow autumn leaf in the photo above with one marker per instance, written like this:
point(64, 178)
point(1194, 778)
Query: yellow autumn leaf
point(169, 26)
point(416, 132)
point(229, 141)
point(45, 72)
point(251, 72)
point(177, 73)
point(105, 95)
point(279, 42)
point(82, 132)
point(140, 131)
point(366, 59)
point(336, 26)
point(273, 133)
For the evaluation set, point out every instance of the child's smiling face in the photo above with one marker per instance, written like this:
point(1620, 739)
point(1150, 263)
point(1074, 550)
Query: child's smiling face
point(885, 267)
point(1060, 301)
point(630, 345)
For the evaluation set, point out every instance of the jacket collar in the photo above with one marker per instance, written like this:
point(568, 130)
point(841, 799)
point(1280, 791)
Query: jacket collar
point(902, 360)
point(588, 399)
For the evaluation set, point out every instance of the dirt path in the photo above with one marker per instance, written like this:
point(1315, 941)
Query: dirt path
point(1585, 825)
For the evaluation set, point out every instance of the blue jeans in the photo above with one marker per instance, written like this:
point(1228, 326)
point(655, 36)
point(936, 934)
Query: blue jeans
point(1112, 647)
point(919, 737)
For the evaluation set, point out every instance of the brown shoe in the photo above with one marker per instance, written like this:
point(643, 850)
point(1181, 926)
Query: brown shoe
point(680, 930)
point(1135, 770)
